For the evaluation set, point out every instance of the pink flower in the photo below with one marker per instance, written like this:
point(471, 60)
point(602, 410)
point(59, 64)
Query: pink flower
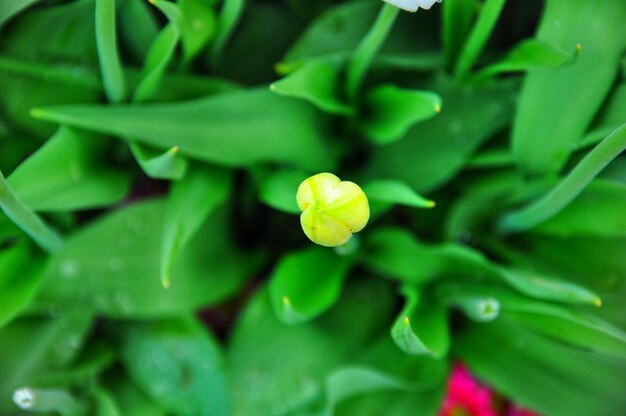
point(465, 396)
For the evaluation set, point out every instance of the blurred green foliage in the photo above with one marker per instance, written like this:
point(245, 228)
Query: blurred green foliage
point(151, 259)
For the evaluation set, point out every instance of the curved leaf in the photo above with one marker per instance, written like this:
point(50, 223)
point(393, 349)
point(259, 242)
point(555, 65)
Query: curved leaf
point(434, 151)
point(347, 382)
point(529, 55)
point(166, 165)
point(305, 284)
point(569, 187)
point(395, 192)
point(189, 204)
point(598, 210)
point(317, 82)
point(574, 327)
point(392, 111)
point(421, 329)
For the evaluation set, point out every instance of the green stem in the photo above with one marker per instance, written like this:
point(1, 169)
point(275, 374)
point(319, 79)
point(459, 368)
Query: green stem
point(569, 188)
point(46, 401)
point(26, 219)
point(367, 49)
point(229, 16)
point(479, 36)
point(106, 44)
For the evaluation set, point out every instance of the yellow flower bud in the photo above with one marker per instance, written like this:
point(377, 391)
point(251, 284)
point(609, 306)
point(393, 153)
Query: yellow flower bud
point(332, 210)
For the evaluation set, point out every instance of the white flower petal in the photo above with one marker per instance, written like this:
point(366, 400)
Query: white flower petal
point(426, 4)
point(408, 5)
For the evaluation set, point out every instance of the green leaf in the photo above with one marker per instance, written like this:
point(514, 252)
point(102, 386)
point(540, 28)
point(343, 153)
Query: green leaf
point(542, 374)
point(317, 82)
point(598, 210)
point(106, 41)
point(548, 288)
point(492, 159)
point(261, 384)
point(51, 35)
point(48, 401)
point(30, 346)
point(306, 283)
point(394, 403)
point(395, 192)
point(227, 20)
point(111, 267)
point(160, 54)
point(434, 151)
point(392, 111)
point(105, 403)
point(189, 204)
point(475, 43)
point(529, 55)
point(129, 399)
point(197, 25)
point(395, 253)
point(278, 190)
point(457, 23)
point(473, 212)
point(8, 230)
point(65, 75)
point(236, 128)
point(56, 32)
point(418, 62)
point(160, 165)
point(336, 32)
point(20, 277)
point(478, 305)
point(574, 327)
point(367, 49)
point(11, 8)
point(68, 173)
point(138, 27)
point(27, 220)
point(569, 188)
point(609, 119)
point(421, 329)
point(95, 358)
point(542, 138)
point(417, 373)
point(347, 382)
point(178, 365)
point(598, 265)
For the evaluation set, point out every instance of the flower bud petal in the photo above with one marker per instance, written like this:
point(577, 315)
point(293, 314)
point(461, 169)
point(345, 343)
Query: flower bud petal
point(332, 209)
point(323, 229)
